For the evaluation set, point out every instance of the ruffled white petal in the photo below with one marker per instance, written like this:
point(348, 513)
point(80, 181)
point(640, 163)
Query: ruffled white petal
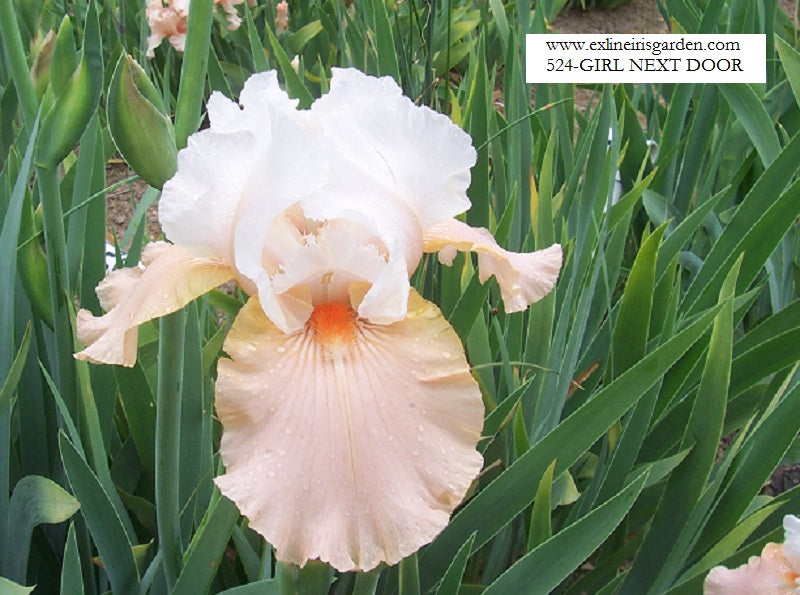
point(351, 443)
point(171, 278)
point(412, 153)
point(200, 205)
point(791, 542)
point(524, 278)
point(253, 162)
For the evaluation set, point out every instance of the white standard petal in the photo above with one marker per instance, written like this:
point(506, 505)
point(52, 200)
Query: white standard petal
point(791, 542)
point(347, 442)
point(199, 206)
point(414, 153)
point(254, 160)
point(524, 278)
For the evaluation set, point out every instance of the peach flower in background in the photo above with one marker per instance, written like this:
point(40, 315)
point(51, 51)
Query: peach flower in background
point(168, 20)
point(282, 18)
point(776, 571)
point(349, 412)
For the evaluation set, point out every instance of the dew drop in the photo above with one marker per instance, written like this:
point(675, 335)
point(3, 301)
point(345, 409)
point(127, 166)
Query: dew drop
point(446, 354)
point(415, 453)
point(288, 430)
point(420, 428)
point(271, 473)
point(420, 439)
point(251, 347)
point(280, 349)
point(272, 408)
point(281, 452)
point(267, 454)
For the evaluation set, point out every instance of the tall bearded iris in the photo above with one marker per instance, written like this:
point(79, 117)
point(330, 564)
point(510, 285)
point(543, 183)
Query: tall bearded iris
point(350, 416)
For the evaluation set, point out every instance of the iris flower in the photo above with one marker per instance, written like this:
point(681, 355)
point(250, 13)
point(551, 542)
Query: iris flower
point(350, 416)
point(775, 571)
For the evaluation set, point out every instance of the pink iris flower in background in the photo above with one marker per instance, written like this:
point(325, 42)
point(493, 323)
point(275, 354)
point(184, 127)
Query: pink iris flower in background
point(775, 571)
point(168, 20)
point(350, 416)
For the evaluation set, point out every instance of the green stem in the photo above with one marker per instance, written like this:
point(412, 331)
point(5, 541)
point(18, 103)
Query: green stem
point(168, 427)
point(367, 582)
point(12, 42)
point(193, 71)
point(171, 331)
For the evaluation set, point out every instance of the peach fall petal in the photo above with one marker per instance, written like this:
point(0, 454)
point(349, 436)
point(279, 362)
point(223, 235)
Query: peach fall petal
point(776, 571)
point(769, 573)
point(524, 278)
point(171, 278)
point(347, 441)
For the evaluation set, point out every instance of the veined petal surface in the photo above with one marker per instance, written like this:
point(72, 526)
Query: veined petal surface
point(347, 441)
point(171, 278)
point(524, 278)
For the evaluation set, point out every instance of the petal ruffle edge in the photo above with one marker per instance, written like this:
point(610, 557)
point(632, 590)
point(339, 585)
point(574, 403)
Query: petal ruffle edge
point(524, 278)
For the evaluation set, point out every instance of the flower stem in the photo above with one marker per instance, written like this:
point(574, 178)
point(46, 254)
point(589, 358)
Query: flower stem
point(168, 417)
point(193, 71)
point(171, 328)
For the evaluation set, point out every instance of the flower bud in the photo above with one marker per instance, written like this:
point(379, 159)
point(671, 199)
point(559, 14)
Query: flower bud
point(65, 58)
point(32, 262)
point(40, 70)
point(75, 105)
point(141, 130)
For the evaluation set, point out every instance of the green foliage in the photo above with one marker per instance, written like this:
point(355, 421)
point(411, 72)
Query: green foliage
point(674, 328)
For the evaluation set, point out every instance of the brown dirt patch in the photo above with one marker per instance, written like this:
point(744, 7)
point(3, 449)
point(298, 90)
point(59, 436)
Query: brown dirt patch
point(637, 16)
point(121, 202)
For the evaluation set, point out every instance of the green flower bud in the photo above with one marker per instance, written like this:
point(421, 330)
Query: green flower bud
point(32, 262)
point(141, 130)
point(66, 120)
point(40, 70)
point(65, 58)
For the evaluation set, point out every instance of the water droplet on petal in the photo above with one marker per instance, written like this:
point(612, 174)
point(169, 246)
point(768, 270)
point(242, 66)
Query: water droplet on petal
point(446, 354)
point(271, 473)
point(420, 428)
point(281, 452)
point(251, 347)
point(288, 430)
point(280, 349)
